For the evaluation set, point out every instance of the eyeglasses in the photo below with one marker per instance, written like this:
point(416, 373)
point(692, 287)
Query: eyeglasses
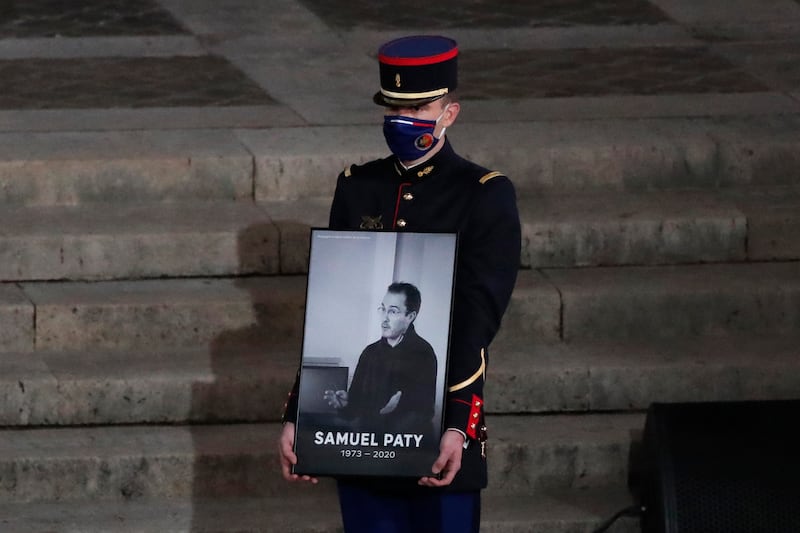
point(392, 312)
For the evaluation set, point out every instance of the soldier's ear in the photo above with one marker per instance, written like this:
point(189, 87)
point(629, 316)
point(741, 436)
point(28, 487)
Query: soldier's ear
point(450, 114)
point(411, 316)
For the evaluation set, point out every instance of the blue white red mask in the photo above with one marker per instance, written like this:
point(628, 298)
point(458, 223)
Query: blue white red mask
point(410, 138)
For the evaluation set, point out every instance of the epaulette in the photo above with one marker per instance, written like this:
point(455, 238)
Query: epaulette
point(348, 171)
point(490, 175)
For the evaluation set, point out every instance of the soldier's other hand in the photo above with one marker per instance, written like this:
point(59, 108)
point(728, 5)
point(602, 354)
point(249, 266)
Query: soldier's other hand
point(449, 461)
point(288, 457)
point(336, 399)
point(391, 405)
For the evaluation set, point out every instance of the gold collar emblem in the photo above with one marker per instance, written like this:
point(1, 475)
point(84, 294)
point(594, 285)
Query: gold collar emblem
point(425, 171)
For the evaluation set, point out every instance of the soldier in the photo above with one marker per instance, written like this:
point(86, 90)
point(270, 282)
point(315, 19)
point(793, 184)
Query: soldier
point(425, 186)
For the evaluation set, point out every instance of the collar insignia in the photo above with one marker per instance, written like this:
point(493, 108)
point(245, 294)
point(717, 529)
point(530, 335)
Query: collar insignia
point(368, 222)
point(425, 171)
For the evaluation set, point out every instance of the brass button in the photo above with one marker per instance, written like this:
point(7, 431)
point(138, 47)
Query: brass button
point(401, 223)
point(408, 196)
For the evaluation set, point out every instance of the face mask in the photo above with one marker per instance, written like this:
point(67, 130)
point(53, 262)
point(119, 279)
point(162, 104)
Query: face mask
point(410, 138)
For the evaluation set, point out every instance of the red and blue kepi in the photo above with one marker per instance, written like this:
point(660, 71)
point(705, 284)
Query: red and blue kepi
point(416, 70)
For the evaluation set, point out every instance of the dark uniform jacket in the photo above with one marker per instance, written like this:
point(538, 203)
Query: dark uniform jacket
point(447, 193)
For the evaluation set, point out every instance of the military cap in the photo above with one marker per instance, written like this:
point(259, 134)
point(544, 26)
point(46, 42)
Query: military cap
point(416, 70)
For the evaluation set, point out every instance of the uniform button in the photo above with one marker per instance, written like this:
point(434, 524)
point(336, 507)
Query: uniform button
point(401, 223)
point(408, 196)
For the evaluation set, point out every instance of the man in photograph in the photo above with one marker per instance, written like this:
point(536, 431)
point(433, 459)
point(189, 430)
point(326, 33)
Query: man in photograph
point(394, 385)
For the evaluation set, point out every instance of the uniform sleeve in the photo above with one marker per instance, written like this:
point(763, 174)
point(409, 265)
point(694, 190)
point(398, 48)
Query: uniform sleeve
point(489, 258)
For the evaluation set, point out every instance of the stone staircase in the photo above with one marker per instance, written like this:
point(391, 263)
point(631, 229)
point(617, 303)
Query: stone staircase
point(152, 311)
point(153, 255)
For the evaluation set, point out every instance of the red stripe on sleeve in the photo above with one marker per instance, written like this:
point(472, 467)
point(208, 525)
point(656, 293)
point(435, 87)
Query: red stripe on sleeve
point(397, 205)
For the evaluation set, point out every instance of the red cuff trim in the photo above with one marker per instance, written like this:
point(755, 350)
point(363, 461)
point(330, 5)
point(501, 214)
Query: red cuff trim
point(474, 417)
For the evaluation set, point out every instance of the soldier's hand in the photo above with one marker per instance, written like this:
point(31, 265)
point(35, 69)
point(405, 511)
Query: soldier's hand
point(391, 405)
point(449, 461)
point(287, 455)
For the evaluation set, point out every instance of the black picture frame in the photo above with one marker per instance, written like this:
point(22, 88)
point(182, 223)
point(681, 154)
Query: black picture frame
point(347, 346)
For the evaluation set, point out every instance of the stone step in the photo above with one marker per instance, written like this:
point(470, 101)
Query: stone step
point(621, 228)
point(106, 241)
point(547, 305)
point(68, 168)
point(123, 463)
point(159, 314)
point(249, 382)
point(232, 383)
point(315, 511)
point(772, 223)
point(131, 241)
point(620, 376)
point(122, 241)
point(618, 228)
point(17, 321)
point(624, 228)
point(665, 302)
point(557, 511)
point(660, 227)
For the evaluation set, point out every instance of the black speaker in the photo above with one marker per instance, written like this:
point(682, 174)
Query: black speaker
point(726, 467)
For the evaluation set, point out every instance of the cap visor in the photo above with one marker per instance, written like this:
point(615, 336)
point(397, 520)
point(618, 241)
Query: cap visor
point(385, 101)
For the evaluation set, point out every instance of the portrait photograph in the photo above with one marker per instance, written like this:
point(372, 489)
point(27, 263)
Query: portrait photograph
point(374, 355)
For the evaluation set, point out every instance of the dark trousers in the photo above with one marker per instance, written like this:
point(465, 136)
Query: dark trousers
point(423, 511)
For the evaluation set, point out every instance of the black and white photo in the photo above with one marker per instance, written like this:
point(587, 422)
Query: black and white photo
point(374, 356)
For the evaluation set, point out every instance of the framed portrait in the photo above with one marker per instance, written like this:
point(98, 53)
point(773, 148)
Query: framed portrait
point(375, 350)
